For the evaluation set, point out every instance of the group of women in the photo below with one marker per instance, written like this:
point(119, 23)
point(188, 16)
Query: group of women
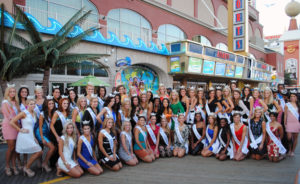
point(76, 132)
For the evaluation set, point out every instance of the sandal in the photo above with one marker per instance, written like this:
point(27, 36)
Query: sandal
point(8, 171)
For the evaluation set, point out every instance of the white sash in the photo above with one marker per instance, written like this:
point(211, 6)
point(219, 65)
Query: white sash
point(135, 118)
point(180, 137)
point(243, 106)
point(110, 139)
point(101, 102)
point(282, 102)
point(151, 133)
point(61, 117)
point(277, 141)
point(244, 148)
point(79, 112)
point(196, 133)
point(191, 117)
point(48, 121)
point(22, 107)
point(225, 115)
point(30, 116)
point(229, 148)
point(207, 108)
point(293, 110)
point(128, 137)
point(202, 112)
point(109, 113)
point(215, 145)
point(92, 113)
point(164, 136)
point(71, 145)
point(142, 132)
point(254, 142)
point(37, 111)
point(87, 144)
point(11, 105)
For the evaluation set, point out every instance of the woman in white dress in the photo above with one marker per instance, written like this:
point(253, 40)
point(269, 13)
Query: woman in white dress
point(67, 161)
point(26, 142)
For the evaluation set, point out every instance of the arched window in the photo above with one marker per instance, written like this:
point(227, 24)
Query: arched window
point(222, 46)
point(127, 22)
point(202, 39)
point(61, 11)
point(169, 33)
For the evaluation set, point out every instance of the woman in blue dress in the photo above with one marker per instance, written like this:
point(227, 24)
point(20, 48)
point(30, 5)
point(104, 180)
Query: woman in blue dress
point(42, 133)
point(211, 137)
point(85, 152)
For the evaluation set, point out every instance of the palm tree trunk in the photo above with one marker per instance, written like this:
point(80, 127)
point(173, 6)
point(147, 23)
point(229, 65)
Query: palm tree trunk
point(46, 80)
point(3, 85)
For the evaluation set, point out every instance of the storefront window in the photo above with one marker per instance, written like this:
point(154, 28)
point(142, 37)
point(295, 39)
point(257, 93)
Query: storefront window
point(222, 46)
point(202, 39)
point(86, 68)
point(169, 33)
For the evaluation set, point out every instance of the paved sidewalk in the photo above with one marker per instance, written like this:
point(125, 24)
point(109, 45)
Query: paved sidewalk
point(173, 170)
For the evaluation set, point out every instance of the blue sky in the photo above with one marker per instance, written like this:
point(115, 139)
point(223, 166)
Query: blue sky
point(272, 16)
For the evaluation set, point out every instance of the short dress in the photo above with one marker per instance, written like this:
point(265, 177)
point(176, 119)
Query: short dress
point(185, 136)
point(256, 128)
point(109, 151)
point(151, 143)
point(45, 130)
point(273, 149)
point(68, 154)
point(210, 133)
point(86, 154)
point(292, 123)
point(239, 136)
point(137, 150)
point(122, 153)
point(9, 111)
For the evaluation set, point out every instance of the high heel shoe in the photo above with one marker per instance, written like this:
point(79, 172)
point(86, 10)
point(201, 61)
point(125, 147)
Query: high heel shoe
point(8, 171)
point(46, 168)
point(15, 171)
point(20, 167)
point(29, 172)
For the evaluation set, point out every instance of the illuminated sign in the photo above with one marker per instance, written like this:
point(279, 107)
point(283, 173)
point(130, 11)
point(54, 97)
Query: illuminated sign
point(175, 64)
point(219, 54)
point(240, 20)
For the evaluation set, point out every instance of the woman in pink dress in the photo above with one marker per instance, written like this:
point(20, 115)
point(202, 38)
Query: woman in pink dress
point(291, 121)
point(10, 108)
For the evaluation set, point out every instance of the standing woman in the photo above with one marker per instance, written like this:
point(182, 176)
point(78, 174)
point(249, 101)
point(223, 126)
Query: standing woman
point(85, 151)
point(153, 131)
point(22, 95)
point(181, 137)
point(212, 143)
point(66, 150)
point(90, 90)
point(198, 134)
point(224, 136)
point(90, 115)
point(162, 92)
point(145, 111)
point(184, 99)
point(201, 101)
point(257, 102)
point(43, 132)
point(193, 102)
point(291, 121)
point(165, 138)
point(212, 103)
point(78, 112)
point(239, 138)
point(122, 91)
point(101, 96)
point(9, 108)
point(176, 107)
point(226, 108)
point(39, 96)
point(124, 112)
point(107, 111)
point(126, 148)
point(149, 95)
point(240, 106)
point(257, 134)
point(135, 110)
point(157, 107)
point(233, 84)
point(26, 142)
point(107, 143)
point(166, 110)
point(58, 121)
point(271, 103)
point(56, 95)
point(72, 98)
point(141, 146)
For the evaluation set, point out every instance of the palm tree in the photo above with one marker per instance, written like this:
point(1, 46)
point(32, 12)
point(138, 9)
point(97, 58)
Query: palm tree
point(52, 53)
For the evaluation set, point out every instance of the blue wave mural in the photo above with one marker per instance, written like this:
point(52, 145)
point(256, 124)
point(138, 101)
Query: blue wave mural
point(97, 37)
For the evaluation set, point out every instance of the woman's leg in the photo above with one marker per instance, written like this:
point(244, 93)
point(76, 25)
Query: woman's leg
point(290, 141)
point(49, 153)
point(33, 158)
point(10, 153)
point(295, 141)
point(74, 172)
point(181, 153)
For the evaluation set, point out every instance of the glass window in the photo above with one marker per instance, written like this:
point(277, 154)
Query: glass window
point(127, 22)
point(73, 70)
point(86, 68)
point(169, 33)
point(222, 46)
point(58, 70)
point(99, 71)
point(202, 39)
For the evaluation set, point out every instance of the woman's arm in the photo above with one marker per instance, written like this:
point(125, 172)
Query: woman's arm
point(187, 102)
point(251, 106)
point(53, 121)
point(264, 105)
point(227, 107)
point(279, 109)
point(14, 121)
point(157, 139)
point(100, 115)
point(285, 115)
point(281, 133)
point(60, 151)
point(41, 122)
point(149, 110)
point(231, 105)
point(79, 145)
point(203, 132)
point(136, 137)
point(74, 116)
point(228, 140)
point(220, 109)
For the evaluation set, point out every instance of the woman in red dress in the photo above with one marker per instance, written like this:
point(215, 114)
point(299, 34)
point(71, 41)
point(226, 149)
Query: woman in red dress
point(153, 138)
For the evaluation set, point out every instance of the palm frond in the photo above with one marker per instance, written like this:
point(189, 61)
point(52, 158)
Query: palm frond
point(3, 57)
point(69, 58)
point(7, 67)
point(2, 28)
point(13, 30)
point(23, 41)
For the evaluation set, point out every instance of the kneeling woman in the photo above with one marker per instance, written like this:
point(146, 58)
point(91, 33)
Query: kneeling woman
point(108, 146)
point(239, 138)
point(153, 131)
point(66, 146)
point(198, 134)
point(181, 137)
point(211, 137)
point(165, 138)
point(126, 149)
point(85, 152)
point(257, 134)
point(141, 146)
point(224, 136)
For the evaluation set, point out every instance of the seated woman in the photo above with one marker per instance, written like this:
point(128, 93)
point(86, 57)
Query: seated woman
point(275, 131)
point(198, 134)
point(126, 149)
point(257, 134)
point(141, 146)
point(239, 138)
point(224, 136)
point(66, 146)
point(153, 131)
point(181, 137)
point(211, 137)
point(165, 138)
point(85, 152)
point(108, 146)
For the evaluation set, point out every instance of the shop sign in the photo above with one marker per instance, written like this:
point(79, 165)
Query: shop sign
point(219, 54)
point(195, 65)
point(220, 69)
point(175, 64)
point(208, 67)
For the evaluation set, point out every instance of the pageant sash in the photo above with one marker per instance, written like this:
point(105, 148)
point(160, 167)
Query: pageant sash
point(79, 112)
point(92, 113)
point(151, 133)
point(142, 132)
point(61, 117)
point(198, 108)
point(229, 148)
point(293, 110)
point(110, 139)
point(254, 142)
point(87, 144)
point(196, 133)
point(244, 146)
point(277, 141)
point(215, 145)
point(164, 136)
point(128, 137)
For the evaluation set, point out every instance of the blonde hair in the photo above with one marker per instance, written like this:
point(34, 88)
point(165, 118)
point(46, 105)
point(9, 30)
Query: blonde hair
point(257, 109)
point(167, 126)
point(106, 121)
point(16, 98)
point(177, 97)
point(270, 100)
point(38, 89)
point(79, 101)
point(123, 126)
point(126, 100)
point(227, 88)
point(160, 87)
point(73, 136)
point(93, 98)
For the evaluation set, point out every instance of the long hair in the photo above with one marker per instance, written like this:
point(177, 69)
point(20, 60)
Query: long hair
point(60, 105)
point(176, 100)
point(236, 101)
point(226, 128)
point(248, 96)
point(73, 136)
point(270, 100)
point(116, 107)
point(46, 110)
point(123, 127)
point(297, 103)
point(126, 100)
point(201, 119)
point(228, 89)
point(107, 101)
point(98, 91)
point(180, 96)
point(16, 99)
point(19, 94)
point(203, 98)
point(79, 101)
point(76, 97)
point(162, 105)
point(133, 107)
point(261, 112)
point(106, 120)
